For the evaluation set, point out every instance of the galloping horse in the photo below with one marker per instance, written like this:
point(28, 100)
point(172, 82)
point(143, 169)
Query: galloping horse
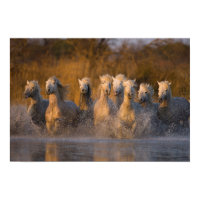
point(60, 113)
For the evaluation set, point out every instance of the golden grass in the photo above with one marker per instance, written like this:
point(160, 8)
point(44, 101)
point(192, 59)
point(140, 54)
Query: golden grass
point(144, 66)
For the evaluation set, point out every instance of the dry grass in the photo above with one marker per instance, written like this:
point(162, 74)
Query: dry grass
point(151, 64)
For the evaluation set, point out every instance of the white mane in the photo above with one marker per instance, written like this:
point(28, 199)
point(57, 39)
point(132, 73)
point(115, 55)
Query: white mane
point(129, 83)
point(120, 77)
point(105, 78)
point(85, 80)
point(33, 84)
point(144, 87)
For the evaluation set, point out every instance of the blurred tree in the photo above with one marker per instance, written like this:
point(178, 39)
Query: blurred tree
point(74, 58)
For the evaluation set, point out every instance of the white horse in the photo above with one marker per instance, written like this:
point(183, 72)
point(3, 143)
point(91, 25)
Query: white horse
point(38, 106)
point(145, 94)
point(60, 113)
point(104, 107)
point(118, 89)
point(148, 121)
point(128, 109)
point(172, 109)
point(85, 102)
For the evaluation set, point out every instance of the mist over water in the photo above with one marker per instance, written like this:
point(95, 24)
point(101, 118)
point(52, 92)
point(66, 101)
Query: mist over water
point(155, 142)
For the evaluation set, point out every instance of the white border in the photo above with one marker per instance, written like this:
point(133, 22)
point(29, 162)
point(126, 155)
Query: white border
point(119, 19)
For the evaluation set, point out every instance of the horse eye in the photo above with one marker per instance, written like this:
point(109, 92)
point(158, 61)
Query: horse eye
point(146, 92)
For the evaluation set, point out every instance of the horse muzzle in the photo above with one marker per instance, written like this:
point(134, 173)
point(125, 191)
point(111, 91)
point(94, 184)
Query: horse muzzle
point(48, 91)
point(130, 96)
point(83, 91)
point(116, 93)
point(160, 100)
point(107, 92)
point(26, 95)
point(141, 101)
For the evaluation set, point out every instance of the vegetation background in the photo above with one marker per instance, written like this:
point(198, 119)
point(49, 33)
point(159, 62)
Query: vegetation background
point(70, 59)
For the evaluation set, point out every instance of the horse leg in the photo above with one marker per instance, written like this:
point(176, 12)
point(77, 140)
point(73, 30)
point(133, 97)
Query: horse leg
point(133, 128)
point(49, 127)
point(95, 122)
point(119, 132)
point(186, 123)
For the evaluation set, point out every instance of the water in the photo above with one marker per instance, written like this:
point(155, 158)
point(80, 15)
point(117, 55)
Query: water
point(29, 143)
point(30, 148)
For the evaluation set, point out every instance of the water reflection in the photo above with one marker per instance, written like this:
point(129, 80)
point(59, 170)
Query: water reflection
point(90, 149)
point(114, 151)
point(51, 152)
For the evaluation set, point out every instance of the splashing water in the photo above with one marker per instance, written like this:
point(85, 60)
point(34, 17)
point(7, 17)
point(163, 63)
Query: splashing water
point(152, 141)
point(21, 124)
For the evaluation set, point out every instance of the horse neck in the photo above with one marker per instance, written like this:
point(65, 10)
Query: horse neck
point(84, 100)
point(147, 103)
point(103, 97)
point(54, 99)
point(127, 101)
point(37, 99)
point(118, 99)
point(167, 103)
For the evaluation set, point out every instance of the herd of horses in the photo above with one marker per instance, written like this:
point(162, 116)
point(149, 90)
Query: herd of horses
point(123, 112)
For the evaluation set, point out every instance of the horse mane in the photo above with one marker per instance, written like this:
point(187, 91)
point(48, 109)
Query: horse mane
point(132, 83)
point(121, 77)
point(106, 78)
point(135, 83)
point(149, 87)
point(86, 80)
point(62, 90)
point(169, 86)
point(89, 91)
point(166, 83)
point(35, 84)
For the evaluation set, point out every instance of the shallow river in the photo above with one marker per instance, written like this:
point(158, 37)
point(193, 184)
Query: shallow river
point(93, 149)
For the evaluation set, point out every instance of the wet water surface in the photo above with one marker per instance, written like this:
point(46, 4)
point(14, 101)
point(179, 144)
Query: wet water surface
point(93, 149)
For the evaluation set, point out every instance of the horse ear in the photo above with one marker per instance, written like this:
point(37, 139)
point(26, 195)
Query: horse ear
point(79, 81)
point(158, 83)
point(113, 78)
point(134, 83)
point(170, 83)
point(27, 82)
